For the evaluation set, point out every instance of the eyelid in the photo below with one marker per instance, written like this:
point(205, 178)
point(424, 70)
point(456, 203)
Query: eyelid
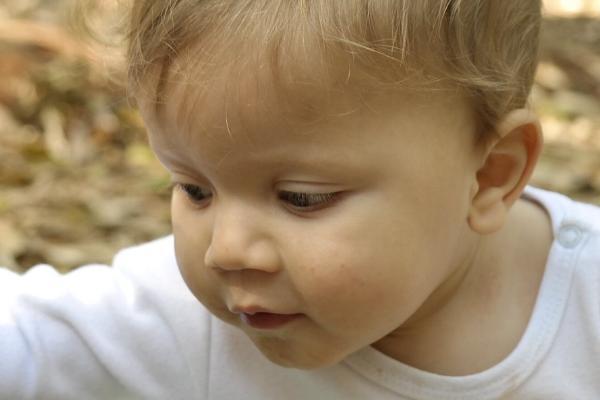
point(323, 199)
point(311, 201)
point(184, 189)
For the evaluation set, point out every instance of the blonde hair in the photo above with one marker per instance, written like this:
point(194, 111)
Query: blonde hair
point(486, 48)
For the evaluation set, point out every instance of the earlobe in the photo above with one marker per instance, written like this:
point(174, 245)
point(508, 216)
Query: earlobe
point(488, 211)
point(507, 167)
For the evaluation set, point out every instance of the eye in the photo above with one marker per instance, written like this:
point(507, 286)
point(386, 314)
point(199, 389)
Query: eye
point(308, 201)
point(194, 193)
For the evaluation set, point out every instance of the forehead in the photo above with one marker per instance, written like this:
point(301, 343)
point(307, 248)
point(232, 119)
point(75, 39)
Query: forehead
point(251, 89)
point(237, 103)
point(212, 112)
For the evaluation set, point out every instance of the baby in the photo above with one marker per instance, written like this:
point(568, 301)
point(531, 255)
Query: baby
point(351, 218)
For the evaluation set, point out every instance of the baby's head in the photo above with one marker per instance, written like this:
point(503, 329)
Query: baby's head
point(337, 160)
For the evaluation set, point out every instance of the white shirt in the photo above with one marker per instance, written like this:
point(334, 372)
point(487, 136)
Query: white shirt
point(135, 331)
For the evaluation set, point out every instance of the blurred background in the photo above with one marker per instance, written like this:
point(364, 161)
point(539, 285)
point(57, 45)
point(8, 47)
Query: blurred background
point(78, 182)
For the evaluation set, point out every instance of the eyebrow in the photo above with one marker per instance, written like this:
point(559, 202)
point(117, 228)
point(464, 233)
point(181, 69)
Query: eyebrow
point(334, 165)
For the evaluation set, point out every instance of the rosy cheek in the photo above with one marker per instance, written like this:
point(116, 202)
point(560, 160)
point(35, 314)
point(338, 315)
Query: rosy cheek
point(334, 286)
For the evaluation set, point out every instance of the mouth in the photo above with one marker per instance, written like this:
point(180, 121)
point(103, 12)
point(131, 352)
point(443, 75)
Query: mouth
point(267, 320)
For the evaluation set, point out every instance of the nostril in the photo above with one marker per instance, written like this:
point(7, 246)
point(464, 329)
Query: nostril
point(225, 260)
point(242, 255)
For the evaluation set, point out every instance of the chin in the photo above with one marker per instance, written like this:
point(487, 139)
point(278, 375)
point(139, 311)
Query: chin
point(286, 357)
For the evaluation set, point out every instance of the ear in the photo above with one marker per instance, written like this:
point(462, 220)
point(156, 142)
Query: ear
point(507, 167)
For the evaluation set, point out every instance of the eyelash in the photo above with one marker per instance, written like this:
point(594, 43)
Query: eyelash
point(308, 201)
point(299, 200)
point(190, 191)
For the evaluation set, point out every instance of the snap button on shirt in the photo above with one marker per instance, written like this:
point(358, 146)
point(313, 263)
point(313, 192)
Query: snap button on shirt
point(569, 236)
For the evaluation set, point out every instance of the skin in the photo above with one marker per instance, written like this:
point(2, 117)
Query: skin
point(427, 247)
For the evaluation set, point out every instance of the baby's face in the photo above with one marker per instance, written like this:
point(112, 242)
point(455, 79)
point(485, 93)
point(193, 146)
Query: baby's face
point(350, 223)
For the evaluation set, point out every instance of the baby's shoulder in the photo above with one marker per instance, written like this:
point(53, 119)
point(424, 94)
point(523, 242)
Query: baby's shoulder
point(158, 251)
point(148, 261)
point(587, 215)
point(578, 233)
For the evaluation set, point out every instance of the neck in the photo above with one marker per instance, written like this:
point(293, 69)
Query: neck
point(477, 317)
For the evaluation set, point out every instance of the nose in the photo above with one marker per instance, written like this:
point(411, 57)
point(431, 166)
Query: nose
point(239, 242)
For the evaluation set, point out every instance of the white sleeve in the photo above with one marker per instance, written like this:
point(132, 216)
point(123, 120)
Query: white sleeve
point(100, 333)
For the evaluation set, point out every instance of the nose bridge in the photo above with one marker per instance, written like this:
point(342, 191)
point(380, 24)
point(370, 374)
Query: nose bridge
point(240, 240)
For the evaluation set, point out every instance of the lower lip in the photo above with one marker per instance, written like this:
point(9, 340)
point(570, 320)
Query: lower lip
point(264, 320)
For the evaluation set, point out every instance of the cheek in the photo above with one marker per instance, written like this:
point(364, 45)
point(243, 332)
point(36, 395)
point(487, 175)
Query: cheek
point(375, 271)
point(335, 281)
point(344, 284)
point(190, 247)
